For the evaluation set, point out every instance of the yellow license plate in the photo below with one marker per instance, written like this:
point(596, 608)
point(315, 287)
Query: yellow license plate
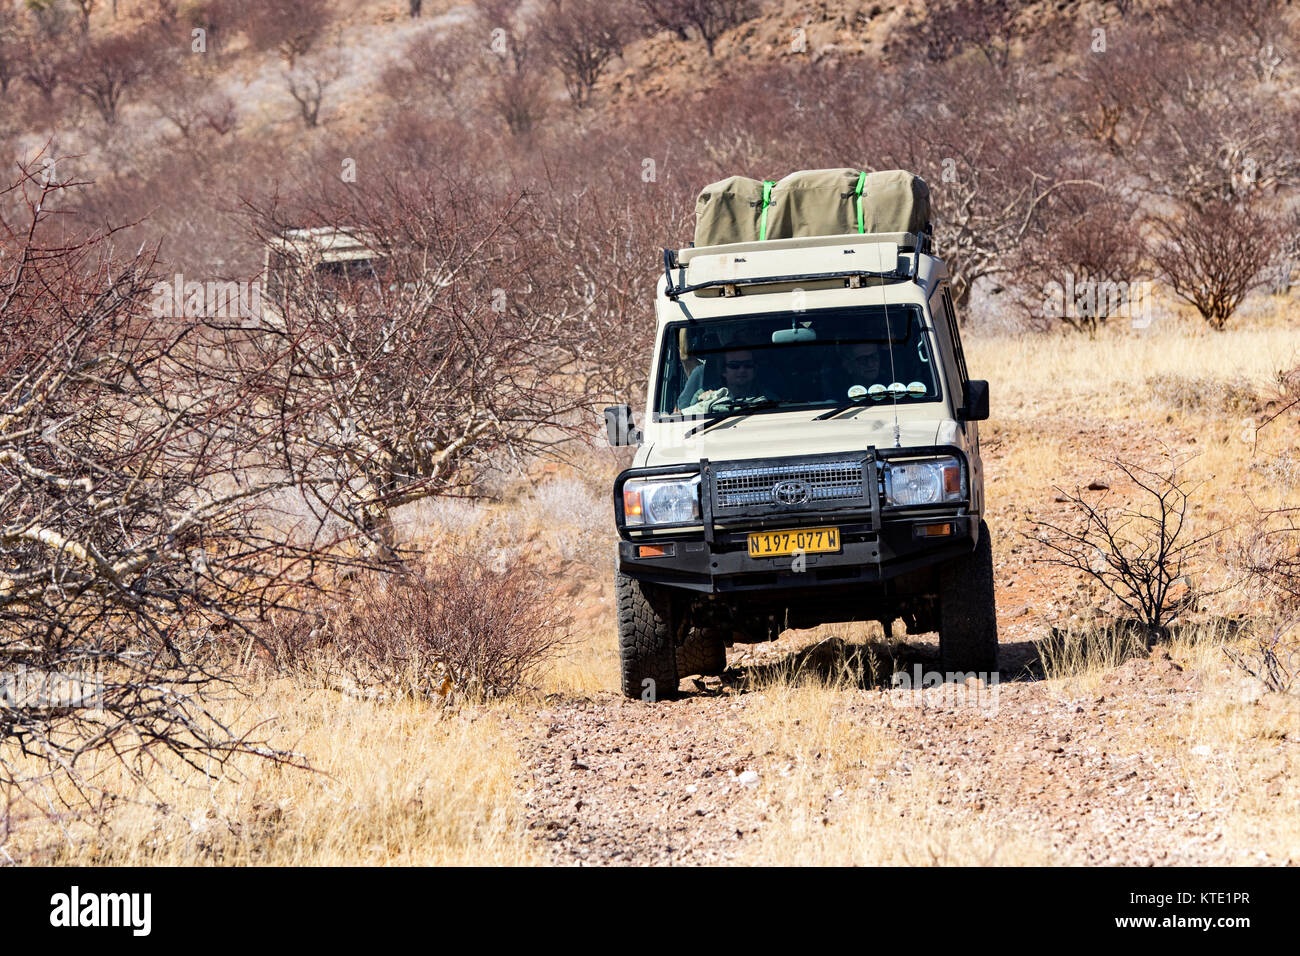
point(774, 544)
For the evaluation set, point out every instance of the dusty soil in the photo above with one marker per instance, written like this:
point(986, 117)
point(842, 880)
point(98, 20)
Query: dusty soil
point(617, 781)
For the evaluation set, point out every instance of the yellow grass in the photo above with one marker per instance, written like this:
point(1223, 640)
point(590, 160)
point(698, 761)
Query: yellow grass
point(395, 783)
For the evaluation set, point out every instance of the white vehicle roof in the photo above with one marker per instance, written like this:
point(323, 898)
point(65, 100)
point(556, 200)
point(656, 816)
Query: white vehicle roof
point(799, 274)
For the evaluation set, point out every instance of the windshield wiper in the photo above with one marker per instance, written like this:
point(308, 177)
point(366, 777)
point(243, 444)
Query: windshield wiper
point(718, 418)
point(839, 410)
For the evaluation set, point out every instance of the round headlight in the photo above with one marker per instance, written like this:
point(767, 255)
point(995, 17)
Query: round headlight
point(916, 483)
point(926, 482)
point(671, 503)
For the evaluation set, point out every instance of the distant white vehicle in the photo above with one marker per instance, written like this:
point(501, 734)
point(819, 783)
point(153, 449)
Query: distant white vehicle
point(326, 254)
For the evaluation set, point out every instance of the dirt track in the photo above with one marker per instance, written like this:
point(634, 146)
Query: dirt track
point(615, 781)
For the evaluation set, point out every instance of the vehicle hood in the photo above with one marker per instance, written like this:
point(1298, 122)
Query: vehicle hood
point(783, 434)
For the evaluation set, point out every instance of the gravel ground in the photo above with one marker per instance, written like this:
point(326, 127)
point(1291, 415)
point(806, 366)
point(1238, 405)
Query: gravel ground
point(617, 781)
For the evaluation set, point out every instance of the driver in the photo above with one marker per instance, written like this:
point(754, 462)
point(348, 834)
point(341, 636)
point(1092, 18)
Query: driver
point(738, 371)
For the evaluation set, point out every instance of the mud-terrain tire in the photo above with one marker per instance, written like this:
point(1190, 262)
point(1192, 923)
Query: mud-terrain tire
point(968, 618)
point(646, 649)
point(704, 652)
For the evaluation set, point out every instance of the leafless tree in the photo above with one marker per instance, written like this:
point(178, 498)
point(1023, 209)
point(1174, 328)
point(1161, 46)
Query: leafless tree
point(310, 80)
point(10, 49)
point(580, 37)
point(193, 103)
point(1140, 553)
point(602, 239)
point(216, 18)
point(433, 64)
point(84, 9)
point(292, 27)
point(709, 18)
point(132, 536)
point(994, 173)
point(945, 29)
point(514, 63)
point(45, 43)
point(1115, 98)
point(106, 70)
point(403, 375)
point(1211, 255)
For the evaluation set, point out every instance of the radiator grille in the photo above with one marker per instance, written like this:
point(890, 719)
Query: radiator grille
point(828, 481)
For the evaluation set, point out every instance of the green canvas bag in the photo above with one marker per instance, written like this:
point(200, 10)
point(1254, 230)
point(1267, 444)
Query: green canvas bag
point(735, 209)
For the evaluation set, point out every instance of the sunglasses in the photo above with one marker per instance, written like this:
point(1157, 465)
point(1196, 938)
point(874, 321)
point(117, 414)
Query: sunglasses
point(872, 359)
point(735, 366)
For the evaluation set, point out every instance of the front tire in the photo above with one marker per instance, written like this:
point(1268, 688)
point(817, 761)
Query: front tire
point(968, 618)
point(647, 655)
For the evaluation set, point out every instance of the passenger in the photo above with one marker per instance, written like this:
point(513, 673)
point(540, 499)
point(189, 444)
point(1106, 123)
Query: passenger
point(859, 365)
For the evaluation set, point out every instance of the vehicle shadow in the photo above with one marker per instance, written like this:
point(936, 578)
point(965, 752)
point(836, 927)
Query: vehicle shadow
point(871, 664)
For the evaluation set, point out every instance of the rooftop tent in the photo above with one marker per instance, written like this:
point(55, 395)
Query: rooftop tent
point(815, 202)
point(894, 200)
point(812, 202)
point(732, 210)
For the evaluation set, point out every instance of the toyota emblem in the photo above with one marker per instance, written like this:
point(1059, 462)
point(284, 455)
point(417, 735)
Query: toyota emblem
point(791, 492)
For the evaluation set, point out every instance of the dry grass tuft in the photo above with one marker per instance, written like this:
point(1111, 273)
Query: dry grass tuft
point(393, 783)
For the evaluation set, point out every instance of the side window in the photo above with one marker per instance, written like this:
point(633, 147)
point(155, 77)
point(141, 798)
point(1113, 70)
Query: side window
point(950, 315)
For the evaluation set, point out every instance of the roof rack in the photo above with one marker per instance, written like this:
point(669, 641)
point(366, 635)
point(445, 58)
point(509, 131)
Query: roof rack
point(917, 243)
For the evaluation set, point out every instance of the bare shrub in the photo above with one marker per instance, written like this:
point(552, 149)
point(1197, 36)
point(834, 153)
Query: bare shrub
point(580, 37)
point(1191, 394)
point(129, 540)
point(1084, 240)
point(403, 375)
point(1271, 657)
point(1139, 553)
point(461, 629)
point(1213, 255)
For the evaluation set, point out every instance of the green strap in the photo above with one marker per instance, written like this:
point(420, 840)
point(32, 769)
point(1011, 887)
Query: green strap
point(767, 201)
point(862, 181)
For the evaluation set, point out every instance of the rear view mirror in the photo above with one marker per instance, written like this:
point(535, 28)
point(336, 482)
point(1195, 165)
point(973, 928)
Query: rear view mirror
point(975, 401)
point(622, 430)
point(786, 336)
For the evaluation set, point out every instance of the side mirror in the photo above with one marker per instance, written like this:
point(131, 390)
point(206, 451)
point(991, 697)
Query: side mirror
point(618, 423)
point(975, 401)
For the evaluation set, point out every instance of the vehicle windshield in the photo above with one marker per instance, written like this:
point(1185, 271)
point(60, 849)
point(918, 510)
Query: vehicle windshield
point(778, 362)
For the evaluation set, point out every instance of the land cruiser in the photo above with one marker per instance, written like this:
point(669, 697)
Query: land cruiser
point(809, 453)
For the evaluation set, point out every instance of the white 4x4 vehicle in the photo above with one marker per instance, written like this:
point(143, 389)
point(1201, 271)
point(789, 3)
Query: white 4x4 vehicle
point(810, 454)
